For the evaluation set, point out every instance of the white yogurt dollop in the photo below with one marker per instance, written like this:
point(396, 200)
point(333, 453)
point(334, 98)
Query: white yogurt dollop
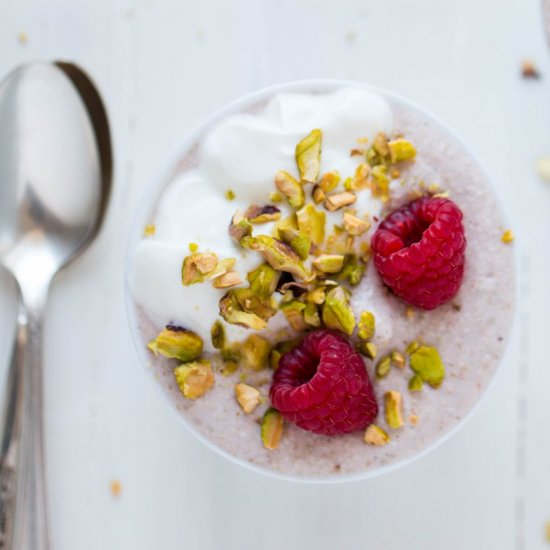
point(243, 153)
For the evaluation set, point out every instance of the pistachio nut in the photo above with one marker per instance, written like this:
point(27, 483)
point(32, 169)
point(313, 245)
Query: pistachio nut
point(376, 436)
point(311, 315)
point(230, 195)
point(393, 407)
point(398, 359)
point(368, 349)
point(293, 312)
point(239, 227)
point(507, 236)
point(383, 367)
point(416, 383)
point(366, 326)
point(222, 267)
point(338, 200)
point(227, 280)
point(401, 150)
point(317, 194)
point(248, 397)
point(353, 270)
point(329, 263)
point(308, 156)
point(194, 379)
point(262, 214)
point(291, 188)
point(271, 428)
point(196, 266)
point(217, 335)
point(427, 363)
point(311, 222)
point(263, 280)
point(354, 225)
point(412, 347)
point(337, 312)
point(300, 243)
point(232, 312)
point(380, 144)
point(329, 182)
point(255, 352)
point(177, 343)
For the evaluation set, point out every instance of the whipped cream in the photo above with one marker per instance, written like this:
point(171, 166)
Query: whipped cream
point(243, 153)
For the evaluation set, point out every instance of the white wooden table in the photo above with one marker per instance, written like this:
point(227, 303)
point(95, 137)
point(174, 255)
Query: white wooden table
point(163, 65)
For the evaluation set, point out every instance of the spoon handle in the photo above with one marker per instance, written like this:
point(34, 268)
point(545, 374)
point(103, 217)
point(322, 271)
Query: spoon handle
point(23, 515)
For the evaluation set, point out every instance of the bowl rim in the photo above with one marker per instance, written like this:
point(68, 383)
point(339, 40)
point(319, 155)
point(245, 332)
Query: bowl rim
point(170, 167)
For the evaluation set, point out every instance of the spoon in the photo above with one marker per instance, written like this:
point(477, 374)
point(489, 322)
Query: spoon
point(55, 178)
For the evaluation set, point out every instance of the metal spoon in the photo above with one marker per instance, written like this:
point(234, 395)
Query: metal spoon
point(55, 177)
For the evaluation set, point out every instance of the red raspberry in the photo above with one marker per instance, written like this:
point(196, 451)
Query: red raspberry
point(419, 251)
point(323, 386)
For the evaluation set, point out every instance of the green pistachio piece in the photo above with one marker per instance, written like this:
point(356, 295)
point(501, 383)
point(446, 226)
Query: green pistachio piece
point(317, 194)
point(338, 200)
point(393, 407)
point(290, 222)
point(383, 367)
point(376, 436)
point(251, 302)
point(239, 227)
point(311, 222)
point(272, 428)
point(366, 325)
point(222, 267)
point(248, 397)
point(275, 196)
point(381, 188)
point(293, 312)
point(308, 156)
point(360, 179)
point(354, 225)
point(177, 343)
point(229, 367)
point(398, 359)
point(274, 358)
point(353, 270)
point(277, 254)
point(368, 349)
point(196, 266)
point(300, 243)
point(232, 312)
point(255, 352)
point(337, 312)
point(217, 334)
point(194, 379)
point(427, 363)
point(329, 263)
point(263, 281)
point(316, 296)
point(380, 144)
point(412, 347)
point(329, 181)
point(290, 188)
point(262, 214)
point(416, 383)
point(401, 150)
point(227, 280)
point(311, 315)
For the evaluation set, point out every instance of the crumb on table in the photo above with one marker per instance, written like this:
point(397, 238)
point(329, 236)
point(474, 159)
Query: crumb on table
point(529, 70)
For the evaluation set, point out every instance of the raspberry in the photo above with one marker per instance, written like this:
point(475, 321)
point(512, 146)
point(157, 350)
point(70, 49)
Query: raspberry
point(322, 385)
point(419, 251)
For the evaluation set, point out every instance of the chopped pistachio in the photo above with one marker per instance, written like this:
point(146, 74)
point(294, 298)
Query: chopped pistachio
point(239, 227)
point(380, 144)
point(316, 296)
point(317, 194)
point(274, 358)
point(296, 289)
point(194, 379)
point(232, 312)
point(426, 362)
point(366, 325)
point(383, 367)
point(277, 254)
point(348, 184)
point(338, 200)
point(227, 280)
point(275, 196)
point(368, 349)
point(217, 335)
point(300, 243)
point(271, 428)
point(254, 352)
point(376, 436)
point(393, 406)
point(329, 263)
point(360, 178)
point(311, 222)
point(401, 150)
point(311, 315)
point(308, 156)
point(416, 383)
point(251, 302)
point(340, 242)
point(150, 230)
point(398, 359)
point(354, 225)
point(263, 280)
point(293, 312)
point(248, 397)
point(337, 312)
point(177, 343)
point(507, 236)
point(262, 214)
point(229, 367)
point(196, 266)
point(290, 187)
point(413, 419)
point(353, 270)
point(230, 195)
point(330, 181)
point(223, 266)
point(395, 173)
point(381, 188)
point(193, 247)
point(290, 222)
point(412, 347)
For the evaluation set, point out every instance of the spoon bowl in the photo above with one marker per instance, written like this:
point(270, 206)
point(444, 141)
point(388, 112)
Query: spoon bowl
point(55, 177)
